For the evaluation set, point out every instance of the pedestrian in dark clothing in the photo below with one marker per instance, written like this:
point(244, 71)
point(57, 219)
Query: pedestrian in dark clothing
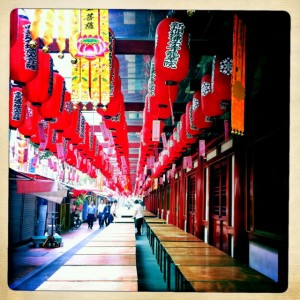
point(106, 212)
point(91, 210)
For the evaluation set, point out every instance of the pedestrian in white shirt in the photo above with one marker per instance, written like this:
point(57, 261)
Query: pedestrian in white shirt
point(100, 213)
point(138, 216)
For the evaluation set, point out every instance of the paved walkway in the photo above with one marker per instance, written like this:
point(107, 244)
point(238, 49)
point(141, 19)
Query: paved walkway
point(25, 261)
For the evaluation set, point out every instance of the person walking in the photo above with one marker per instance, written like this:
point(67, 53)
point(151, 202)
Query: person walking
point(106, 212)
point(91, 211)
point(138, 216)
point(113, 211)
point(101, 213)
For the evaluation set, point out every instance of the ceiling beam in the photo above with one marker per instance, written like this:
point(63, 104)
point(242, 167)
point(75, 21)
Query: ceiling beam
point(146, 47)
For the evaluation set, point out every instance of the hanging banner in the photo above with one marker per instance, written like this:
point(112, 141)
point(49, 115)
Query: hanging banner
point(155, 130)
point(164, 140)
point(60, 151)
point(238, 76)
point(202, 148)
point(226, 130)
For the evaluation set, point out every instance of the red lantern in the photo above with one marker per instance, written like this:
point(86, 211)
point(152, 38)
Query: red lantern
point(40, 88)
point(112, 50)
point(71, 157)
point(42, 128)
point(221, 78)
point(14, 20)
point(117, 121)
point(185, 136)
point(17, 106)
point(89, 142)
point(63, 121)
point(114, 106)
point(150, 112)
point(53, 107)
point(171, 52)
point(164, 99)
point(199, 120)
point(190, 126)
point(211, 106)
point(23, 58)
point(161, 95)
point(28, 128)
point(53, 138)
point(75, 132)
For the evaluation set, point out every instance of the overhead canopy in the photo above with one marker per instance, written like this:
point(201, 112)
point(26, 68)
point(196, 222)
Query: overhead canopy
point(54, 196)
point(40, 186)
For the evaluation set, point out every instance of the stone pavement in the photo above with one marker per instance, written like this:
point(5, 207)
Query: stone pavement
point(25, 261)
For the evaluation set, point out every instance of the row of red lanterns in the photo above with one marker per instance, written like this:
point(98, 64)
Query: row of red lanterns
point(206, 104)
point(169, 66)
point(38, 94)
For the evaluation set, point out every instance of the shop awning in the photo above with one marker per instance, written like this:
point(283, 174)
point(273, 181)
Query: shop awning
point(40, 186)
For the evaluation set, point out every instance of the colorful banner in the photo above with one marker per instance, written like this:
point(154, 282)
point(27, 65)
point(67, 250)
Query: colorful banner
point(238, 76)
point(202, 148)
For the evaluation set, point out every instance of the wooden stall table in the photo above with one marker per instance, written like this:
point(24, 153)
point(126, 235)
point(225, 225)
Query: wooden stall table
point(196, 260)
point(90, 286)
point(111, 244)
point(102, 260)
point(107, 250)
point(167, 234)
point(151, 227)
point(119, 227)
point(175, 234)
point(203, 250)
point(123, 220)
point(223, 278)
point(150, 236)
point(149, 221)
point(116, 238)
point(149, 214)
point(97, 278)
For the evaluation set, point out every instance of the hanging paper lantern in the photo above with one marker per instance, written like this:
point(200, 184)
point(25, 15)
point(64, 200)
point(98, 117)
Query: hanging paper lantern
point(14, 20)
point(162, 96)
point(40, 88)
point(29, 125)
point(70, 157)
point(199, 120)
point(75, 132)
point(87, 144)
point(23, 59)
point(53, 107)
point(112, 52)
point(211, 106)
point(171, 51)
point(185, 136)
point(114, 107)
point(117, 121)
point(41, 133)
point(17, 106)
point(221, 78)
point(164, 99)
point(150, 113)
point(63, 121)
point(190, 126)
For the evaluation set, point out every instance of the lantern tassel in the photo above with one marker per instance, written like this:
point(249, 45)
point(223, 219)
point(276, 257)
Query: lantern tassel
point(171, 105)
point(61, 40)
point(48, 34)
point(35, 25)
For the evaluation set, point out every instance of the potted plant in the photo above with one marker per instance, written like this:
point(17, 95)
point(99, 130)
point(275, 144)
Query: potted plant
point(79, 199)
